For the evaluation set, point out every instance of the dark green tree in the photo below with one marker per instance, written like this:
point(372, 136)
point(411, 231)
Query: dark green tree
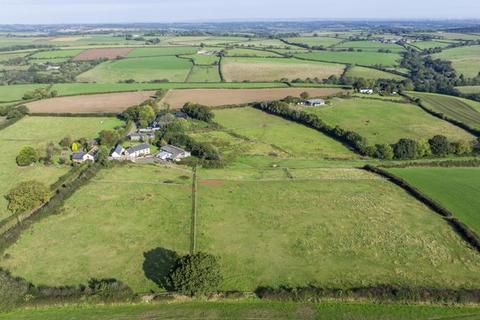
point(27, 156)
point(196, 274)
point(405, 149)
point(439, 145)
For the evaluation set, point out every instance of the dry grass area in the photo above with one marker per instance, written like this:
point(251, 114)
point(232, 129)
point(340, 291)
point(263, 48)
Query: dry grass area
point(95, 103)
point(237, 69)
point(102, 53)
point(65, 39)
point(220, 97)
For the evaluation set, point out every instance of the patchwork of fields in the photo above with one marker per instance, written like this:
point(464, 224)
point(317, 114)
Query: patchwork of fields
point(465, 60)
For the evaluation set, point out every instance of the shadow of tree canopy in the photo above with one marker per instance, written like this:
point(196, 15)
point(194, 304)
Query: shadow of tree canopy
point(157, 265)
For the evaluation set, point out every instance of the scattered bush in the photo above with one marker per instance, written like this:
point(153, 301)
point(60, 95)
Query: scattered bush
point(439, 145)
point(405, 149)
point(26, 196)
point(198, 111)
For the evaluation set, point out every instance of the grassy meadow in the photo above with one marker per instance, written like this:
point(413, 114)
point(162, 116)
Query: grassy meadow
point(455, 188)
point(204, 74)
point(465, 60)
point(37, 132)
point(139, 69)
point(360, 58)
point(111, 223)
point(315, 41)
point(53, 54)
point(245, 310)
point(370, 73)
point(271, 69)
point(370, 46)
point(336, 227)
point(385, 121)
point(463, 110)
point(287, 137)
point(160, 51)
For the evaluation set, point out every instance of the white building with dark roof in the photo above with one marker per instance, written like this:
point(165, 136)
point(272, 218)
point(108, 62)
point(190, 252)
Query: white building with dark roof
point(138, 150)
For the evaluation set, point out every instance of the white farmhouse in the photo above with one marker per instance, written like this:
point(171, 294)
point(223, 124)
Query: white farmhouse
point(117, 152)
point(138, 150)
point(172, 153)
point(81, 156)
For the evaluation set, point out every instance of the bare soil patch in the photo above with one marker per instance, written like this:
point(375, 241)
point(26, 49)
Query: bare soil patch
point(95, 103)
point(102, 53)
point(220, 97)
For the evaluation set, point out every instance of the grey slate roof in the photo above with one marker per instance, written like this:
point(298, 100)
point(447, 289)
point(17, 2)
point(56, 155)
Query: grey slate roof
point(78, 155)
point(315, 101)
point(137, 147)
point(118, 149)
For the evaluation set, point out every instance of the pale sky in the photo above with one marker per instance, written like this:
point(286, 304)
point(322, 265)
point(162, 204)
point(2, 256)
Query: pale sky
point(117, 11)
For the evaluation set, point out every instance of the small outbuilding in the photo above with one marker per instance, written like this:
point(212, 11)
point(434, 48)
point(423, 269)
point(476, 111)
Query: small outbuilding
point(366, 90)
point(314, 102)
point(117, 153)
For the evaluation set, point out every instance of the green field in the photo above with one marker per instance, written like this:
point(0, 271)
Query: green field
point(37, 132)
point(360, 58)
point(204, 74)
point(386, 122)
point(465, 60)
point(245, 310)
point(120, 215)
point(203, 59)
point(271, 69)
point(430, 44)
point(139, 69)
point(337, 227)
point(370, 46)
point(288, 137)
point(52, 54)
point(455, 188)
point(315, 41)
point(369, 73)
point(469, 89)
point(463, 110)
point(249, 53)
point(161, 51)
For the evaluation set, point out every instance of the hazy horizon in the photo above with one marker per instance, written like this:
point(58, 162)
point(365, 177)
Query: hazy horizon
point(168, 11)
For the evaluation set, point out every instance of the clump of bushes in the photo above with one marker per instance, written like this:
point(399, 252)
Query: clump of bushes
point(27, 156)
point(198, 111)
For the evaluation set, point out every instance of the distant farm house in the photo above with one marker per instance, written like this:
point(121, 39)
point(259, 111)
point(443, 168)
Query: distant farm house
point(312, 102)
point(172, 153)
point(366, 91)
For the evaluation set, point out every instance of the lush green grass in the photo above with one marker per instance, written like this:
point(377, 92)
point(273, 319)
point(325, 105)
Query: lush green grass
point(430, 44)
point(336, 227)
point(249, 53)
point(270, 69)
point(16, 92)
point(463, 110)
point(52, 54)
point(361, 58)
point(204, 74)
point(288, 137)
point(469, 89)
point(264, 43)
point(455, 188)
point(333, 227)
point(465, 60)
point(386, 122)
point(11, 55)
point(37, 132)
point(315, 41)
point(161, 51)
point(139, 69)
point(202, 59)
point(245, 310)
point(369, 73)
point(109, 223)
point(370, 46)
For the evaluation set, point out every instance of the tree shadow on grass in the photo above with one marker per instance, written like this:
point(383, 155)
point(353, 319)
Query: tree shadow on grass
point(157, 265)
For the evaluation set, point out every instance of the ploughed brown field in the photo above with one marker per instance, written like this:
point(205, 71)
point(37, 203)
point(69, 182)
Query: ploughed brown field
point(95, 103)
point(102, 53)
point(220, 97)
